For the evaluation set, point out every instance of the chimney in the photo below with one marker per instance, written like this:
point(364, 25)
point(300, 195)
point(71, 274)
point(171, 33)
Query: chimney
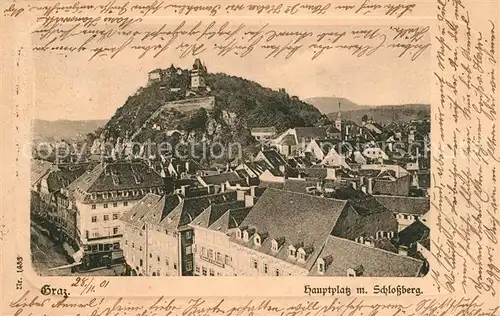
point(187, 166)
point(253, 189)
point(249, 200)
point(184, 189)
point(223, 187)
point(282, 168)
point(370, 185)
point(247, 180)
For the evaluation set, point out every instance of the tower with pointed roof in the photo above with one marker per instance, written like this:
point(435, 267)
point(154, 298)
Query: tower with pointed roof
point(198, 74)
point(338, 120)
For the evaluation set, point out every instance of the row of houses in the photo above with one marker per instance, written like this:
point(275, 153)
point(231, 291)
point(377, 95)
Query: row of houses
point(265, 232)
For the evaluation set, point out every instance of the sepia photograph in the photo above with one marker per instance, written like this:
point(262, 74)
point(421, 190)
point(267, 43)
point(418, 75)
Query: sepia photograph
point(211, 166)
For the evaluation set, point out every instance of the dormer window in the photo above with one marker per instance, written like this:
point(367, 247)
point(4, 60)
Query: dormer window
point(274, 245)
point(245, 235)
point(351, 272)
point(257, 240)
point(105, 195)
point(94, 196)
point(301, 254)
point(291, 251)
point(114, 194)
point(321, 266)
point(238, 233)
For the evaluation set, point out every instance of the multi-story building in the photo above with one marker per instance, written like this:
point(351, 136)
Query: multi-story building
point(101, 196)
point(158, 239)
point(285, 233)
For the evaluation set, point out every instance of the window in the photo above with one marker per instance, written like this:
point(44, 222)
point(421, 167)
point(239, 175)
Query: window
point(228, 260)
point(140, 248)
point(95, 233)
point(255, 264)
point(212, 272)
point(115, 204)
point(245, 235)
point(158, 258)
point(321, 267)
point(115, 215)
point(189, 266)
point(238, 233)
point(133, 245)
point(94, 219)
point(115, 230)
point(105, 205)
point(189, 250)
point(257, 240)
point(218, 257)
point(203, 252)
point(210, 253)
point(126, 242)
point(277, 272)
point(140, 262)
point(166, 262)
point(94, 196)
point(175, 266)
point(94, 206)
point(188, 235)
point(150, 255)
point(106, 217)
point(125, 203)
point(197, 269)
point(291, 251)
point(302, 255)
point(266, 268)
point(204, 271)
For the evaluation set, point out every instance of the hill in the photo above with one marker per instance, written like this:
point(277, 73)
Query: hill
point(64, 129)
point(387, 113)
point(328, 105)
point(240, 104)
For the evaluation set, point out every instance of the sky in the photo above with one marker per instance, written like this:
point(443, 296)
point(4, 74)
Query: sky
point(73, 88)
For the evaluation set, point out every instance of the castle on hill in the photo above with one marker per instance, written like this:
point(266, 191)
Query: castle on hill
point(197, 74)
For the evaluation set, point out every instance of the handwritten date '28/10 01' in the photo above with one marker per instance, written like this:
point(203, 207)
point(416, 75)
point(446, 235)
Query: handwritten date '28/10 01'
point(116, 36)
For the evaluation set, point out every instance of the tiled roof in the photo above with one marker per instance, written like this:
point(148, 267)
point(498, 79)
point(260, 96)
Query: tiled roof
point(220, 178)
point(230, 219)
point(403, 204)
point(298, 185)
point(214, 212)
point(192, 207)
point(118, 176)
point(345, 254)
point(416, 231)
point(288, 140)
point(135, 215)
point(39, 168)
point(400, 186)
point(310, 133)
point(300, 219)
point(63, 177)
point(318, 173)
point(274, 185)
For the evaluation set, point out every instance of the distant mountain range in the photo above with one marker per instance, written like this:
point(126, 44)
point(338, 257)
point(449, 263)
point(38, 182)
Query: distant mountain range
point(386, 113)
point(64, 129)
point(327, 105)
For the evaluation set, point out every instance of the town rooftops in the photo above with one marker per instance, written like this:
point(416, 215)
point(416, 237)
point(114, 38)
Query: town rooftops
point(119, 176)
point(339, 255)
point(63, 177)
point(39, 168)
point(404, 204)
point(310, 133)
point(213, 212)
point(230, 219)
point(297, 220)
point(416, 231)
point(220, 178)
